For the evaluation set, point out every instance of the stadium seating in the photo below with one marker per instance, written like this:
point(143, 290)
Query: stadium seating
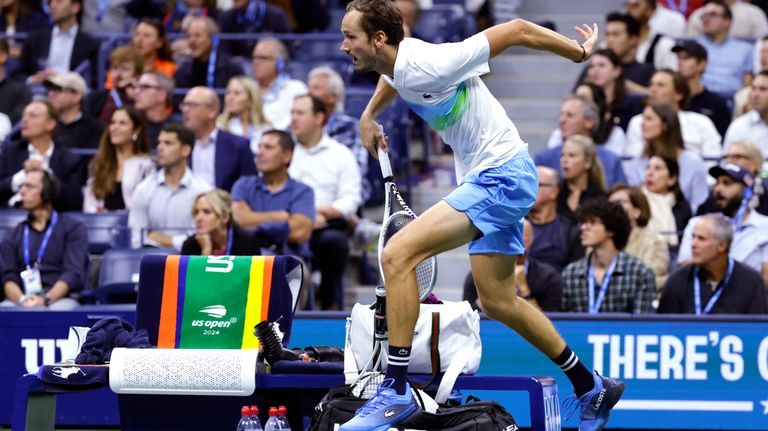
point(119, 275)
point(105, 230)
point(9, 218)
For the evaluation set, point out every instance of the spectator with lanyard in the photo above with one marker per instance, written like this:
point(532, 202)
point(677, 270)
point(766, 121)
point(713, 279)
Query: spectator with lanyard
point(608, 279)
point(735, 197)
point(125, 66)
point(44, 257)
point(216, 233)
point(250, 16)
point(206, 66)
point(714, 282)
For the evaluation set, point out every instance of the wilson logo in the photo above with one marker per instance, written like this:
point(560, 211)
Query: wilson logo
point(217, 311)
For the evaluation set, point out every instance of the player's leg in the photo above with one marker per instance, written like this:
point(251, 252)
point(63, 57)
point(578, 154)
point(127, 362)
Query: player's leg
point(439, 229)
point(495, 281)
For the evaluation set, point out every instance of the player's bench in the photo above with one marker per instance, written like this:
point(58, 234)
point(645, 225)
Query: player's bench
point(35, 407)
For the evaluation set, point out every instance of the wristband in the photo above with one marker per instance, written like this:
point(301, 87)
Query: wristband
point(583, 55)
point(22, 298)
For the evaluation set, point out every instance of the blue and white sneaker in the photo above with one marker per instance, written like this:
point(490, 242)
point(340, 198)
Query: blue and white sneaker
point(595, 406)
point(385, 409)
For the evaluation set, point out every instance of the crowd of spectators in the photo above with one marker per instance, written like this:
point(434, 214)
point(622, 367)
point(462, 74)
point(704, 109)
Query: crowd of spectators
point(212, 147)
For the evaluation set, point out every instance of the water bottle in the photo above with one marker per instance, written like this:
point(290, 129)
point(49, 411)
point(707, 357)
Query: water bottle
point(272, 423)
point(282, 417)
point(254, 416)
point(245, 423)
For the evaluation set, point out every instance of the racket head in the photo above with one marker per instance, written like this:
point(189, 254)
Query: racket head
point(426, 271)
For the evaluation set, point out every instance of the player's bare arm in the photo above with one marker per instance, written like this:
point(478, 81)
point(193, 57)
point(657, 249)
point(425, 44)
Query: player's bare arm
point(370, 132)
point(525, 33)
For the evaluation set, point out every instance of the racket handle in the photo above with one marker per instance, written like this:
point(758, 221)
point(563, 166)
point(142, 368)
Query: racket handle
point(386, 167)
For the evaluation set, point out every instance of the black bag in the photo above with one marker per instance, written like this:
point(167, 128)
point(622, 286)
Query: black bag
point(339, 406)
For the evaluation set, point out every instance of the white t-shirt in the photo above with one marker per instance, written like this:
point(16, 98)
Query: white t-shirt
point(442, 84)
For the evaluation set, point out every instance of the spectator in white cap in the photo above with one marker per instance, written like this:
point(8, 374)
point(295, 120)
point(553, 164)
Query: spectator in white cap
point(76, 129)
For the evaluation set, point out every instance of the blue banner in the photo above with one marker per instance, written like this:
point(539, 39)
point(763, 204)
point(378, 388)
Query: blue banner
point(692, 373)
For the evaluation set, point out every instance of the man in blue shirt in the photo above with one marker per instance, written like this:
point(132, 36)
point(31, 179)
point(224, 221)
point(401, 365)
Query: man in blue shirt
point(44, 257)
point(281, 208)
point(730, 60)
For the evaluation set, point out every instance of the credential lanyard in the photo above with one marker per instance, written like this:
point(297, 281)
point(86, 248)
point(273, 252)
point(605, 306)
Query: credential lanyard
point(116, 98)
point(230, 234)
point(43, 243)
point(209, 76)
point(680, 7)
point(716, 295)
point(103, 4)
point(594, 304)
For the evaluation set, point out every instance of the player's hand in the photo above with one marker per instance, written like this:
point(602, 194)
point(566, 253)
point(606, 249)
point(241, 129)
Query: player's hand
point(372, 135)
point(591, 38)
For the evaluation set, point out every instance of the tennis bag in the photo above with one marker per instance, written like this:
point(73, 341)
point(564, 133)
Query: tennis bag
point(339, 406)
point(447, 336)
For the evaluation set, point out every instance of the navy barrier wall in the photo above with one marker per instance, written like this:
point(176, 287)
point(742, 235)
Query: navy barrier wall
point(681, 373)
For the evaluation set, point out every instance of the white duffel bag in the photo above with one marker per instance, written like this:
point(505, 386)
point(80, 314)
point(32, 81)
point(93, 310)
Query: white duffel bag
point(446, 340)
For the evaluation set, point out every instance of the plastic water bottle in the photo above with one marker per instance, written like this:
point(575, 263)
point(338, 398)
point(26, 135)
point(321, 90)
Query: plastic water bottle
point(245, 423)
point(282, 417)
point(272, 424)
point(254, 416)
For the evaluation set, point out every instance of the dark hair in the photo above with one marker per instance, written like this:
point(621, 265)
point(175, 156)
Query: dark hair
point(80, 12)
point(284, 139)
point(380, 15)
point(671, 138)
point(51, 186)
point(603, 127)
point(4, 48)
point(164, 52)
point(620, 87)
point(318, 105)
point(637, 199)
point(674, 171)
point(611, 215)
point(185, 136)
point(727, 14)
point(632, 25)
point(104, 163)
point(679, 84)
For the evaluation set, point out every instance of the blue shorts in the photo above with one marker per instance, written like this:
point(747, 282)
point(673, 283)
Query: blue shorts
point(496, 200)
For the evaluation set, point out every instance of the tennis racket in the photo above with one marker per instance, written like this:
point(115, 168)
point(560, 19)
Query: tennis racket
point(397, 214)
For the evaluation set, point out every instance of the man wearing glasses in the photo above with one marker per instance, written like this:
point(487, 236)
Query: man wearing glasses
point(278, 90)
point(154, 98)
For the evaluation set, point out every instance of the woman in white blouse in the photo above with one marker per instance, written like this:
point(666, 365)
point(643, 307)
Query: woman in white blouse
point(120, 164)
point(243, 112)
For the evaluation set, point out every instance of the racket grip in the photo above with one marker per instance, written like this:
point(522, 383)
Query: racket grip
point(386, 167)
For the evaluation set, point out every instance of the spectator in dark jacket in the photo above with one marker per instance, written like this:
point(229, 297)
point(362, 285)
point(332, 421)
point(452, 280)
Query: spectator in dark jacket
point(43, 270)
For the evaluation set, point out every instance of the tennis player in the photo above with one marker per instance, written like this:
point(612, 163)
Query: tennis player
point(497, 187)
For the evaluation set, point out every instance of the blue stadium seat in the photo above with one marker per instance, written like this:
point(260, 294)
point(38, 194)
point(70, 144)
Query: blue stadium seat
point(105, 230)
point(119, 274)
point(321, 49)
point(440, 24)
point(9, 218)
